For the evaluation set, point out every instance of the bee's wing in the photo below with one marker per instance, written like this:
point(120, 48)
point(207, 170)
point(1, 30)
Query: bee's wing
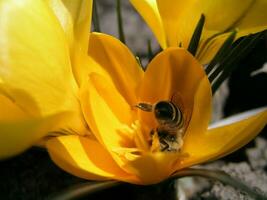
point(178, 101)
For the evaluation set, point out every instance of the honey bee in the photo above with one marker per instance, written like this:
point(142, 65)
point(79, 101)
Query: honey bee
point(168, 135)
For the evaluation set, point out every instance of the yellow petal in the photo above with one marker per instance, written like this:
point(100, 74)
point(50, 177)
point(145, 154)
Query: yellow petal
point(64, 18)
point(20, 134)
point(83, 65)
point(152, 168)
point(255, 18)
point(179, 19)
point(35, 69)
point(243, 15)
point(148, 9)
point(240, 14)
point(19, 130)
point(81, 12)
point(224, 137)
point(246, 16)
point(201, 114)
point(173, 71)
point(10, 111)
point(75, 18)
point(35, 64)
point(85, 158)
point(110, 117)
point(208, 48)
point(119, 63)
point(107, 113)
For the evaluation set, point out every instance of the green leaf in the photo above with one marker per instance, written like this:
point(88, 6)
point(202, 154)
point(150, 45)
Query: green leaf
point(193, 45)
point(96, 18)
point(225, 48)
point(120, 23)
point(84, 190)
point(231, 61)
point(139, 61)
point(149, 50)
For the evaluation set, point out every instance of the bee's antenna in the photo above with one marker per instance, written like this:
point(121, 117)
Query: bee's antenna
point(144, 107)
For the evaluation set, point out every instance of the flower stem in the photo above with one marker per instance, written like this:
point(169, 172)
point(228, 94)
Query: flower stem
point(221, 176)
point(83, 189)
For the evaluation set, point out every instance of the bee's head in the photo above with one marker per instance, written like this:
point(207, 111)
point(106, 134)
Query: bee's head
point(164, 111)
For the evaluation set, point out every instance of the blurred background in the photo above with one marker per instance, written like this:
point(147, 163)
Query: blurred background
point(32, 175)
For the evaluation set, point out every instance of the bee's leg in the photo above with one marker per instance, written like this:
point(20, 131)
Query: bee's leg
point(164, 146)
point(152, 133)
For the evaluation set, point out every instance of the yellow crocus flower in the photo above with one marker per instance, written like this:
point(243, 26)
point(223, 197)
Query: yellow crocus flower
point(173, 21)
point(49, 86)
point(38, 90)
point(122, 146)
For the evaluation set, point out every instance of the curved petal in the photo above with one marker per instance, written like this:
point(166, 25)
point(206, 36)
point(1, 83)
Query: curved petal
point(107, 113)
point(110, 118)
point(255, 18)
point(174, 71)
point(179, 19)
point(148, 9)
point(35, 71)
point(85, 158)
point(38, 66)
point(19, 130)
point(81, 12)
point(83, 65)
point(152, 168)
point(209, 47)
point(240, 14)
point(20, 134)
point(64, 18)
point(119, 63)
point(247, 17)
point(75, 18)
point(243, 15)
point(201, 114)
point(9, 110)
point(224, 137)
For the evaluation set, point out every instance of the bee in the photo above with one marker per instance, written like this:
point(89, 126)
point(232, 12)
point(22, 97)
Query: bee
point(168, 135)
